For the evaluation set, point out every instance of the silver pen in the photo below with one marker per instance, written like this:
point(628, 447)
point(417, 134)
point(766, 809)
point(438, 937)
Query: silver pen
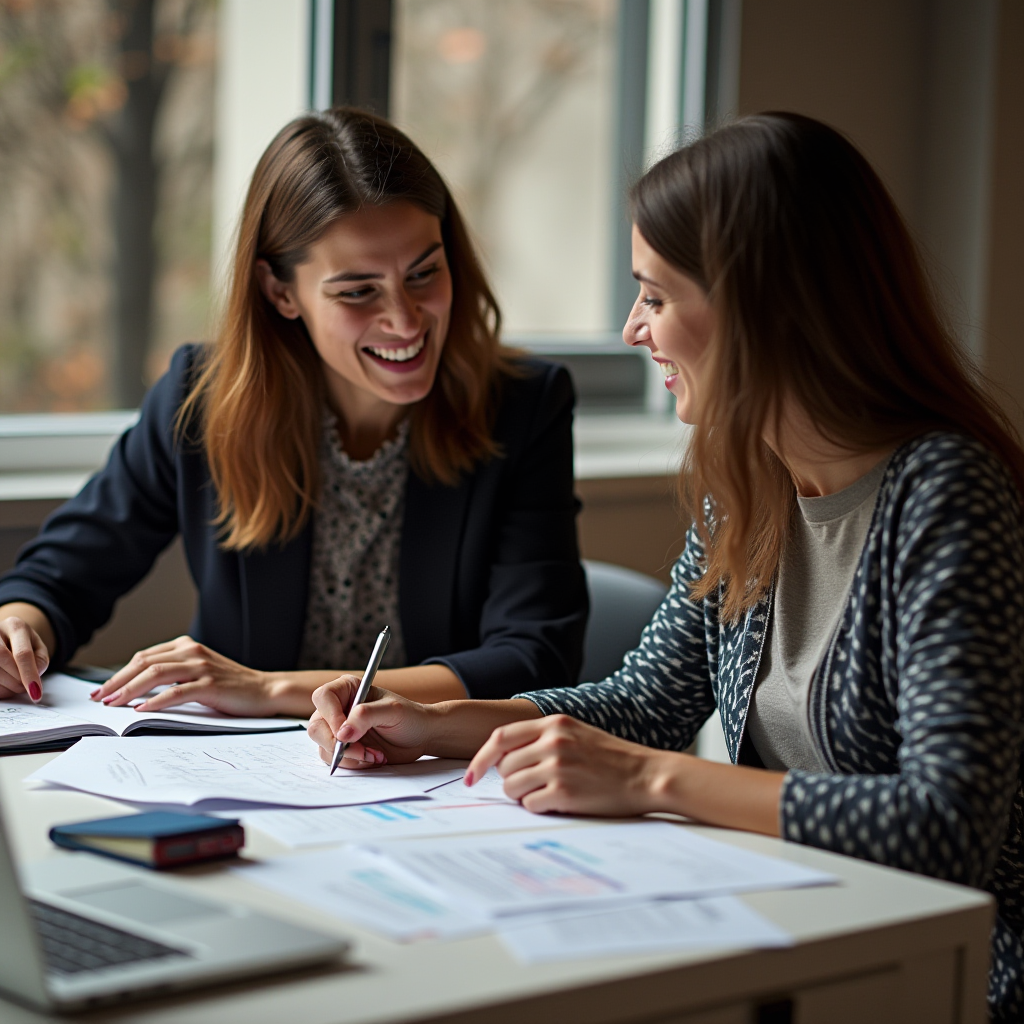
point(363, 689)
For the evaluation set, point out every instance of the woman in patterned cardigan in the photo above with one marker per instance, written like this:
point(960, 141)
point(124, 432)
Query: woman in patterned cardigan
point(850, 596)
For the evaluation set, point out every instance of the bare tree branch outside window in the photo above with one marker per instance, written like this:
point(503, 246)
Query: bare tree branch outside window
point(106, 145)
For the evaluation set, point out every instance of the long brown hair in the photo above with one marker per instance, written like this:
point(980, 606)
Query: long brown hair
point(259, 396)
point(820, 297)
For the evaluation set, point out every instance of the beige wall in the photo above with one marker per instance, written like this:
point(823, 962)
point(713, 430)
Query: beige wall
point(632, 522)
point(857, 64)
point(1004, 335)
point(933, 92)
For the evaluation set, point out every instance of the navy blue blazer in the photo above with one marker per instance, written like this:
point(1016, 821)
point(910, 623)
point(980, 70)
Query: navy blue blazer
point(490, 582)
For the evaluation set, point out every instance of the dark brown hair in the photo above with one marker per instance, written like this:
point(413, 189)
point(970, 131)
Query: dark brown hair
point(820, 297)
point(259, 397)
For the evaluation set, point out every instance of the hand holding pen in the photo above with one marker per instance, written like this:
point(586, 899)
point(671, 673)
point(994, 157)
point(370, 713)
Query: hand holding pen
point(364, 688)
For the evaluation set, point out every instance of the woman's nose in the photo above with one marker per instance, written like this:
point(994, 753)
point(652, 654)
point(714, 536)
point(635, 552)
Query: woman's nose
point(401, 317)
point(636, 331)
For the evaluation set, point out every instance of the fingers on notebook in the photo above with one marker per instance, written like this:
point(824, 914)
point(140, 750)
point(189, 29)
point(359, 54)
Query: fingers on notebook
point(151, 675)
point(23, 659)
point(168, 656)
point(180, 694)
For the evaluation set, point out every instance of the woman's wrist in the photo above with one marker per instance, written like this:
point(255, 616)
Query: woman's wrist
point(286, 693)
point(733, 796)
point(658, 781)
point(459, 728)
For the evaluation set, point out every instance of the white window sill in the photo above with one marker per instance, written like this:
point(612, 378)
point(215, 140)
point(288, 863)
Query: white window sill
point(46, 458)
point(617, 445)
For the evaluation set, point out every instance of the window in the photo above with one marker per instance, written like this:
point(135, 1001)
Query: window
point(539, 112)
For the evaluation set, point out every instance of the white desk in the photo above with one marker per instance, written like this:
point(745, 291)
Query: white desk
point(882, 947)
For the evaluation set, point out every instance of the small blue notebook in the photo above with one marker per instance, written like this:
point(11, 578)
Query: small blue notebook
point(156, 839)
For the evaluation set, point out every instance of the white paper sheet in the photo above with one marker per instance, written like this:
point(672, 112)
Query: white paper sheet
point(501, 875)
point(365, 891)
point(66, 712)
point(281, 769)
point(300, 828)
point(489, 789)
point(652, 927)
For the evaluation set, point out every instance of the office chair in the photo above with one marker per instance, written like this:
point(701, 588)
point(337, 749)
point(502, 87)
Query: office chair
point(621, 604)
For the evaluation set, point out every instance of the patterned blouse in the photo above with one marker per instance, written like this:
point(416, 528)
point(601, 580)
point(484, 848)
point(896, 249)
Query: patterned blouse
point(357, 537)
point(918, 705)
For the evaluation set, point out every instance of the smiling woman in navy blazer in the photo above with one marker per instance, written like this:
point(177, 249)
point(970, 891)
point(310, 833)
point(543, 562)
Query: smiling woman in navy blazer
point(359, 332)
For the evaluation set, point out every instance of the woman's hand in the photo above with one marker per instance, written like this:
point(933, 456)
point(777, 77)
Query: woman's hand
point(201, 675)
point(560, 764)
point(23, 658)
point(384, 729)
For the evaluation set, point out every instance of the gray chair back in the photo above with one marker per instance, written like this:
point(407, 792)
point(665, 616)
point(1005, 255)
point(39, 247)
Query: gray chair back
point(622, 602)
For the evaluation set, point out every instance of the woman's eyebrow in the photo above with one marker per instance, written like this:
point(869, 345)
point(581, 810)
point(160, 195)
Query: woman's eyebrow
point(429, 251)
point(646, 280)
point(352, 275)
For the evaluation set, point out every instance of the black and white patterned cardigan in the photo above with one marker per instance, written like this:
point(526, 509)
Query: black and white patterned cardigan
point(917, 707)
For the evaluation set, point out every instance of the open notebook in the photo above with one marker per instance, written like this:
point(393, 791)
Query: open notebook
point(66, 713)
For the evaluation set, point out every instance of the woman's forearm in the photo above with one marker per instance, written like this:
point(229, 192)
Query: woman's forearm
point(291, 693)
point(425, 684)
point(729, 795)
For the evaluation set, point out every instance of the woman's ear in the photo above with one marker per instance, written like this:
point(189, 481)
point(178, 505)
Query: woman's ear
point(280, 293)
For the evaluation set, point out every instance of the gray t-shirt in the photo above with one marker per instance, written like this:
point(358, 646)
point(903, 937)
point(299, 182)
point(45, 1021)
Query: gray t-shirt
point(814, 579)
point(353, 572)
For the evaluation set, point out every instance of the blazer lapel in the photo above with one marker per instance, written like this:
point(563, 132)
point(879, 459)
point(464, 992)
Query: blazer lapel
point(428, 563)
point(275, 588)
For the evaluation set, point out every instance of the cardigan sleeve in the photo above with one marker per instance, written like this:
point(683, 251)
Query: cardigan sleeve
point(664, 692)
point(534, 615)
point(98, 545)
point(954, 556)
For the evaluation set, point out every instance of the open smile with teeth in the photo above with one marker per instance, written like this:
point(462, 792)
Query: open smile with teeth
point(668, 369)
point(398, 355)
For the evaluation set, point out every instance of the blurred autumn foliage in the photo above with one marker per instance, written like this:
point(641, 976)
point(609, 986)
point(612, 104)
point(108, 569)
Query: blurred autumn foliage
point(514, 102)
point(106, 151)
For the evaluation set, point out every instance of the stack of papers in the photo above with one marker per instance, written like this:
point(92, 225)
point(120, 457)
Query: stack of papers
point(426, 857)
point(593, 890)
point(66, 713)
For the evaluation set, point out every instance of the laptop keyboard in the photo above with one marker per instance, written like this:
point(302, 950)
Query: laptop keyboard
point(72, 944)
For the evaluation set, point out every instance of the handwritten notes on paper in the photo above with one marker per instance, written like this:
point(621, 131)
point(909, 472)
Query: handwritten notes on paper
point(281, 769)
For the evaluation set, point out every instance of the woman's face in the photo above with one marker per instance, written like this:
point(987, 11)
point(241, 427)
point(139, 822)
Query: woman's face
point(673, 318)
point(375, 295)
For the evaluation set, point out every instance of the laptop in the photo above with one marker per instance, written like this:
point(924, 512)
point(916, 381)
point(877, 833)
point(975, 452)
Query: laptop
point(88, 931)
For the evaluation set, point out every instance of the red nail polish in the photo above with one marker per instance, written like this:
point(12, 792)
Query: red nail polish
point(468, 779)
point(35, 691)
point(94, 692)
